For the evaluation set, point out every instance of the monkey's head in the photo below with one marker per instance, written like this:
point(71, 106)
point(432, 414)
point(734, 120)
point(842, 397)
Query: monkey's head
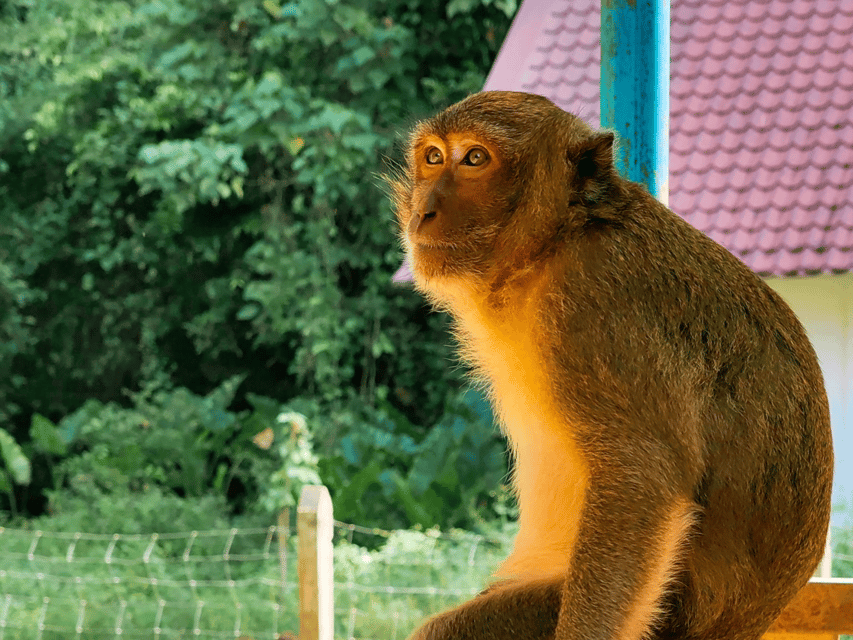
point(494, 181)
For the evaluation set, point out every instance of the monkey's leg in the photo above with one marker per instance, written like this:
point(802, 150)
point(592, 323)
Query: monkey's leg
point(516, 611)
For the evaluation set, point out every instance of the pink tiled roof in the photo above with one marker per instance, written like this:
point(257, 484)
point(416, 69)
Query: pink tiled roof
point(761, 116)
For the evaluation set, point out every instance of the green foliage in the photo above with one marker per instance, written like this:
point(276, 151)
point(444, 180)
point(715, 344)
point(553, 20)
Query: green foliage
point(384, 475)
point(173, 445)
point(46, 436)
point(188, 198)
point(286, 432)
point(151, 508)
point(167, 438)
point(456, 562)
point(841, 540)
point(16, 460)
point(16, 465)
point(16, 331)
point(842, 561)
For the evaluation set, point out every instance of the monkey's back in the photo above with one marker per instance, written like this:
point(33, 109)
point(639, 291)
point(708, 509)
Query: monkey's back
point(709, 348)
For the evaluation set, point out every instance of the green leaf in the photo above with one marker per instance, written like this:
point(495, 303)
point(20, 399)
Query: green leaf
point(13, 457)
point(430, 463)
point(267, 409)
point(129, 460)
point(177, 54)
point(248, 311)
point(349, 450)
point(5, 482)
point(272, 8)
point(46, 435)
point(71, 425)
point(415, 507)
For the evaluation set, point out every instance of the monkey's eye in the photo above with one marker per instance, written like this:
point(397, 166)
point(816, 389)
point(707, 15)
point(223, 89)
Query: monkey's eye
point(434, 156)
point(476, 157)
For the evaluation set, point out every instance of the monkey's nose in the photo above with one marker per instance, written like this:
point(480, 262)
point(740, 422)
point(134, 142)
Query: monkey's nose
point(422, 224)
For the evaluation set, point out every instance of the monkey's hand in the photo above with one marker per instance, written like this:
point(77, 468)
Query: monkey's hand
point(514, 611)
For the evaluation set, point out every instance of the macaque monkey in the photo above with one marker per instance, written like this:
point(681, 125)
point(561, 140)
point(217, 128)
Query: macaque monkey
point(664, 408)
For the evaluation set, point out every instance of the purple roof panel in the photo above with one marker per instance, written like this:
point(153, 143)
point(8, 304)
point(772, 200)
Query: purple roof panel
point(761, 120)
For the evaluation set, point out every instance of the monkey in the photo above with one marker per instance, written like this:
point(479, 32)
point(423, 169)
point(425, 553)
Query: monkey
point(664, 409)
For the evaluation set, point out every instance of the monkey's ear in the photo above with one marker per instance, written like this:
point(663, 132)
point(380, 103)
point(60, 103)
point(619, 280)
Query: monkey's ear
point(591, 161)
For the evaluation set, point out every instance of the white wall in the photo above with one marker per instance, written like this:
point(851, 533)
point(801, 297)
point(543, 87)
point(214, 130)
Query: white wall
point(824, 305)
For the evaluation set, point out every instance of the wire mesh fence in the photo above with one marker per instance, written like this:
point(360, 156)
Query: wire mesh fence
point(240, 583)
point(236, 583)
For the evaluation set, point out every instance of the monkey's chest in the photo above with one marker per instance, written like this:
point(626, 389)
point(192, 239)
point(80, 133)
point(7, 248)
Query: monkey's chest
point(550, 475)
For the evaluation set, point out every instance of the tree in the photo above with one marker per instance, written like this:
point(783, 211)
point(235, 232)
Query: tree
point(189, 192)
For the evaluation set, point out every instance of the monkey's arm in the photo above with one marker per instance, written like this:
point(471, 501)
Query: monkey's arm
point(613, 589)
point(628, 552)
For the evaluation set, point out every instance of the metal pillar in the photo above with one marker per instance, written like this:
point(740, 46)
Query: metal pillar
point(635, 88)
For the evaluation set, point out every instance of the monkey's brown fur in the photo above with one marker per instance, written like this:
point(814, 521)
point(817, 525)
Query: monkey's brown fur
point(665, 409)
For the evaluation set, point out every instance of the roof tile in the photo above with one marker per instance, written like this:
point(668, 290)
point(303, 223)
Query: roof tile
point(715, 181)
point(684, 201)
point(781, 198)
point(838, 259)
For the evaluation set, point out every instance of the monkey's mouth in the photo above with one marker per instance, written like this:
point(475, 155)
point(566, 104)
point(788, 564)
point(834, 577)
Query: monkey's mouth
point(435, 259)
point(419, 238)
point(428, 247)
point(430, 243)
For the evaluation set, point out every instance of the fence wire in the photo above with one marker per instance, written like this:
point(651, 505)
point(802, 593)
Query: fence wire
point(241, 583)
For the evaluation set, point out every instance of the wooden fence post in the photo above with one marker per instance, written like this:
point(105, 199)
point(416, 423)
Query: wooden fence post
point(316, 572)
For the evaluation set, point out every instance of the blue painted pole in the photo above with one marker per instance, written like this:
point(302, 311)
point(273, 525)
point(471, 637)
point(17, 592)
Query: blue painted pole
point(635, 88)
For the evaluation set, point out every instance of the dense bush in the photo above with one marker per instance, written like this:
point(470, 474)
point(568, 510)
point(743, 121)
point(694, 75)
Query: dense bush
point(189, 193)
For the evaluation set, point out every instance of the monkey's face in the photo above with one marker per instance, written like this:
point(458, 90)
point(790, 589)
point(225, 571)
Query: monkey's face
point(490, 183)
point(454, 212)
